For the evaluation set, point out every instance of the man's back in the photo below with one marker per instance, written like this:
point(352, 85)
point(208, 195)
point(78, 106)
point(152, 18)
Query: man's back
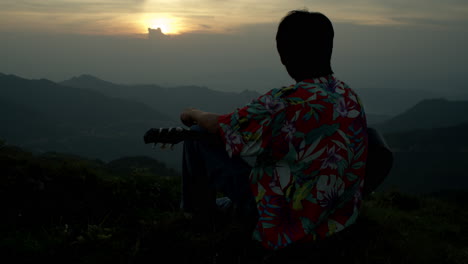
point(311, 145)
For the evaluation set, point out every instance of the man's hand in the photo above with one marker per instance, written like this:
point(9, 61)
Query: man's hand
point(192, 116)
point(187, 117)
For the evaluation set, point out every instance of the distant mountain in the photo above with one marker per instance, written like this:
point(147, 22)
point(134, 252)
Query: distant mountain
point(430, 147)
point(89, 81)
point(97, 122)
point(427, 114)
point(41, 115)
point(444, 139)
point(394, 101)
point(170, 101)
point(373, 119)
point(428, 160)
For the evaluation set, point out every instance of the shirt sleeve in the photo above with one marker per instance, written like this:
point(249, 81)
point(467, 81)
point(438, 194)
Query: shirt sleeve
point(247, 131)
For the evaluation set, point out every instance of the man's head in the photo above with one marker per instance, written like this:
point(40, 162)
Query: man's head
point(305, 43)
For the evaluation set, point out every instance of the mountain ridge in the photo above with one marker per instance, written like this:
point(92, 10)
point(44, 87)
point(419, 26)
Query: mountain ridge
point(427, 114)
point(170, 101)
point(75, 120)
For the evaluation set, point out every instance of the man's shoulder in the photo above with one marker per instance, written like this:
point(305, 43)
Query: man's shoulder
point(276, 93)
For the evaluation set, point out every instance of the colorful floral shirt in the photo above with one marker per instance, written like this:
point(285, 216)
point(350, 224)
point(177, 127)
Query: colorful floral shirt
point(310, 143)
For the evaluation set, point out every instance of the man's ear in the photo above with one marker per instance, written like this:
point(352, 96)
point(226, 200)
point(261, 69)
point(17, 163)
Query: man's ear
point(283, 57)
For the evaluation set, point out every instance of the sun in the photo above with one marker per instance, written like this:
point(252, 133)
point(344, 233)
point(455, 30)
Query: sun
point(163, 23)
point(168, 24)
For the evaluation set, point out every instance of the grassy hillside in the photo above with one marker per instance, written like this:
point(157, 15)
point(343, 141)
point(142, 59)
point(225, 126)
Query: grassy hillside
point(65, 209)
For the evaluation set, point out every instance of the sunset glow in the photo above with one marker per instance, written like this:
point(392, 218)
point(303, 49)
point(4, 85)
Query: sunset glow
point(168, 25)
point(130, 17)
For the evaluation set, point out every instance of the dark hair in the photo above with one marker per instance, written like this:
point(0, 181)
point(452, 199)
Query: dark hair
point(305, 42)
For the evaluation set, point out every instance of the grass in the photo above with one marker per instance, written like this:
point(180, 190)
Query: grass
point(61, 209)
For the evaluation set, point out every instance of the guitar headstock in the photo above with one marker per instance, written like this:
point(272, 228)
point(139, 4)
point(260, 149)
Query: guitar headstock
point(171, 135)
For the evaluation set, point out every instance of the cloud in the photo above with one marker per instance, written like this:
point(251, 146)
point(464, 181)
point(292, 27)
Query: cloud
point(223, 16)
point(156, 34)
point(205, 26)
point(434, 23)
point(73, 6)
point(413, 12)
point(229, 14)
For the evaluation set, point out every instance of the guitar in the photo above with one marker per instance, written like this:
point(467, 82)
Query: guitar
point(174, 135)
point(378, 165)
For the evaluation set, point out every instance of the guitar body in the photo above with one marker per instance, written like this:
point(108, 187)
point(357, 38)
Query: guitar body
point(379, 162)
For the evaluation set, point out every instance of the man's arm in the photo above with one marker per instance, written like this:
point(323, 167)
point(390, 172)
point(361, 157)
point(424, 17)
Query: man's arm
point(206, 120)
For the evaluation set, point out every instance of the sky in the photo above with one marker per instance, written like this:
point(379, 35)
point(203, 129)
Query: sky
point(229, 44)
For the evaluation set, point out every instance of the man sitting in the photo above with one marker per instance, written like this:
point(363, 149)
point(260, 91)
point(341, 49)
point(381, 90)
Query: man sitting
point(309, 141)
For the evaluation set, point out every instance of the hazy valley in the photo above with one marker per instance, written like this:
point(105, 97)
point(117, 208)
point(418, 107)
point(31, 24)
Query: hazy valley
point(97, 119)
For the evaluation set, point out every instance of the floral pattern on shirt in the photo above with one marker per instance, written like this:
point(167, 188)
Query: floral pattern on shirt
point(310, 144)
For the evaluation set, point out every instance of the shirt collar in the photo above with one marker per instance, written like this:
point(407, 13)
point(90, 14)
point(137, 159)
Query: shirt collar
point(322, 79)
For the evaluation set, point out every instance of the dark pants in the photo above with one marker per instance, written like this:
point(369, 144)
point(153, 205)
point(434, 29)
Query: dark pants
point(208, 170)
